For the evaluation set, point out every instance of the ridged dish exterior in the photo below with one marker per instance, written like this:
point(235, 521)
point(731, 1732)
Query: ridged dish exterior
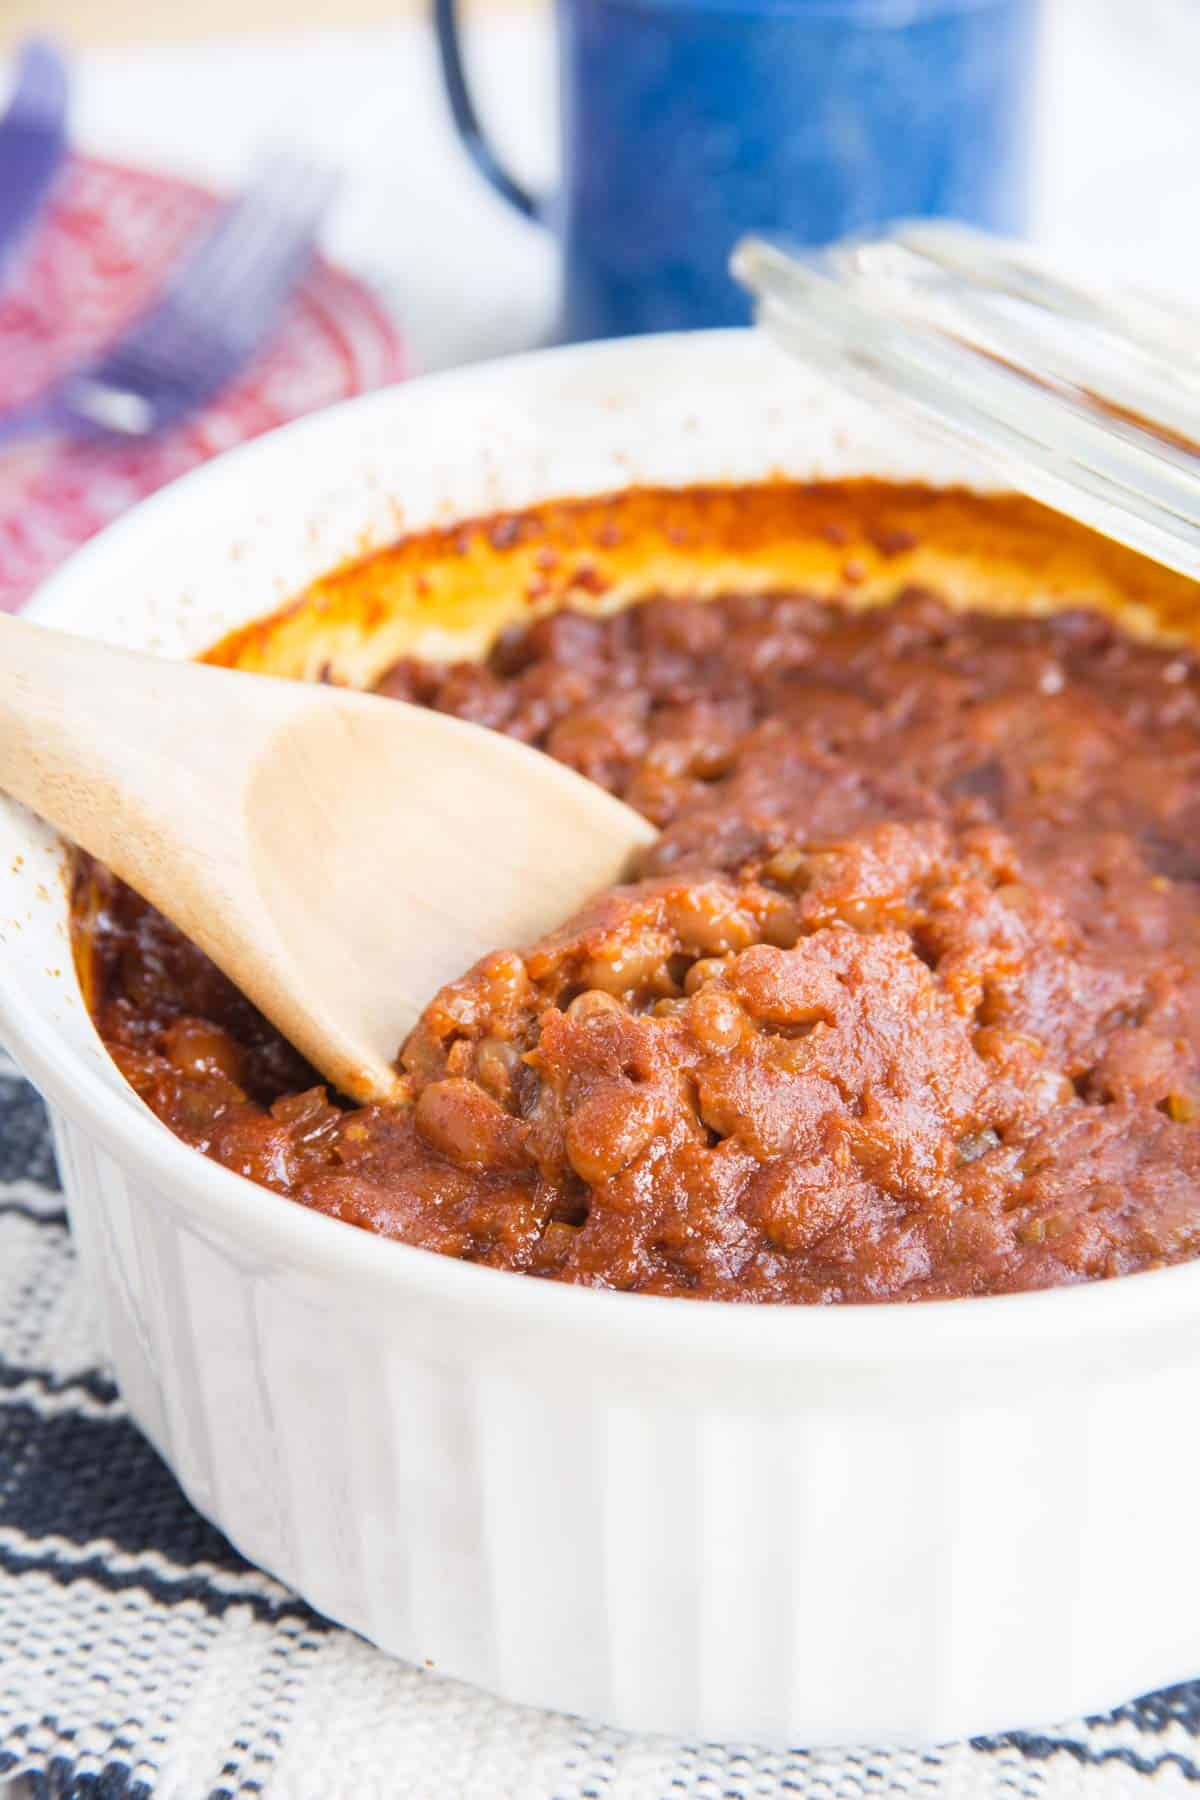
point(824, 1560)
point(866, 1524)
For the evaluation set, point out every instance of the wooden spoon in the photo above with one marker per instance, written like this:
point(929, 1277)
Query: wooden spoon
point(338, 855)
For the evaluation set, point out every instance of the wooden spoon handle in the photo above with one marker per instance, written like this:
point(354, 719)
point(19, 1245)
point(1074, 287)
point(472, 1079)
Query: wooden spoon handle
point(146, 763)
point(110, 745)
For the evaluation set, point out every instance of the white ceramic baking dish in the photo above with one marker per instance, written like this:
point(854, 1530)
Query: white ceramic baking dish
point(892, 1523)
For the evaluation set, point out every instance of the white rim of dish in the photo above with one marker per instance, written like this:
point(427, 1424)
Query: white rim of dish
point(284, 1231)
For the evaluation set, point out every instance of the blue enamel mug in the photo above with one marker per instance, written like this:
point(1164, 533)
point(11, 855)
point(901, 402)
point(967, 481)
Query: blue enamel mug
point(686, 123)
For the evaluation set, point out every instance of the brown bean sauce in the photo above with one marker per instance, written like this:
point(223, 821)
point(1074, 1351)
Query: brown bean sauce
point(904, 1003)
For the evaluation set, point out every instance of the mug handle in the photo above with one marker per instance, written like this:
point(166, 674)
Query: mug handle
point(467, 120)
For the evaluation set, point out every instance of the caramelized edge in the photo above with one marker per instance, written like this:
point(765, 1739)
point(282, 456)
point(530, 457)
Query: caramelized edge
point(448, 593)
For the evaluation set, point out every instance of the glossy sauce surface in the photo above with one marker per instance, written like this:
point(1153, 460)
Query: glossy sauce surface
point(904, 1003)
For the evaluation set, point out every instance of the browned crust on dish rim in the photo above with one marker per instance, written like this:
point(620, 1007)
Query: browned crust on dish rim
point(447, 593)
